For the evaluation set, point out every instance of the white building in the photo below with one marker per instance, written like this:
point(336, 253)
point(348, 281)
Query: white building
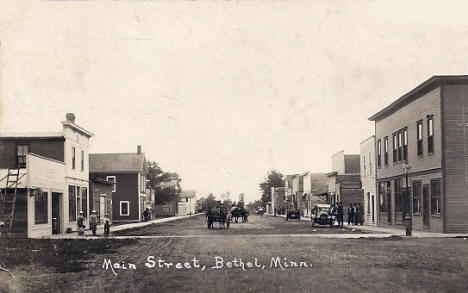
point(188, 202)
point(368, 170)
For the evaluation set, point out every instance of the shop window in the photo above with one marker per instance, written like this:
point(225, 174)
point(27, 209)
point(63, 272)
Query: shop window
point(71, 203)
point(41, 212)
point(417, 197)
point(436, 206)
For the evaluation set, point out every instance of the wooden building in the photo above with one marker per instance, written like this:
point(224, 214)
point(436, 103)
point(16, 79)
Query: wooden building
point(128, 173)
point(44, 180)
point(422, 136)
point(367, 151)
point(100, 193)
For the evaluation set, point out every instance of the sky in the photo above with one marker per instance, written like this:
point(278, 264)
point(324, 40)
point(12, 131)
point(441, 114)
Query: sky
point(221, 92)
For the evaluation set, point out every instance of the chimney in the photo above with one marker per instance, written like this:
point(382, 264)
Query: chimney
point(138, 149)
point(70, 117)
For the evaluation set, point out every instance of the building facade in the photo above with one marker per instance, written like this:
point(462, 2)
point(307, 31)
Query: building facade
point(420, 139)
point(368, 170)
point(53, 179)
point(188, 202)
point(100, 194)
point(128, 173)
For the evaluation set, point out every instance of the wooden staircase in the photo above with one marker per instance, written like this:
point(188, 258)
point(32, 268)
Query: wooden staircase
point(8, 200)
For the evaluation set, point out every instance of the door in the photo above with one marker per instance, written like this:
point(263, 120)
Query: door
point(102, 207)
point(389, 204)
point(426, 210)
point(56, 211)
point(373, 208)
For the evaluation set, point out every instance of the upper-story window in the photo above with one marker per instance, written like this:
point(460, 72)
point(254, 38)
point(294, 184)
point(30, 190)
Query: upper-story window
point(73, 158)
point(143, 183)
point(405, 144)
point(21, 152)
point(370, 163)
point(364, 164)
point(400, 145)
point(112, 179)
point(430, 134)
point(386, 150)
point(82, 161)
point(379, 153)
point(419, 137)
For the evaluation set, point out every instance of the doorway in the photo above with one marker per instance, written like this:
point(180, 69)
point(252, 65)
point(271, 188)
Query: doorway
point(373, 208)
point(56, 213)
point(102, 208)
point(426, 209)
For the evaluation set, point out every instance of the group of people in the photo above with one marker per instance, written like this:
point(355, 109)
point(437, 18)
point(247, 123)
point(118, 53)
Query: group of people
point(355, 214)
point(93, 222)
point(337, 211)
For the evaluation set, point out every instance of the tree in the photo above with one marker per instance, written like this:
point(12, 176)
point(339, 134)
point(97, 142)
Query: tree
point(166, 195)
point(273, 179)
point(166, 184)
point(210, 202)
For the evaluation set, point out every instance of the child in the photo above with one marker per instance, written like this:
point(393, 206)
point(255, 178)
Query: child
point(106, 225)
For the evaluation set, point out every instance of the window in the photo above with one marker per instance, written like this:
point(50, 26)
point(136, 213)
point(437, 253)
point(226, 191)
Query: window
point(386, 150)
point(430, 134)
point(398, 196)
point(417, 197)
point(71, 203)
point(143, 183)
point(125, 208)
point(82, 161)
point(84, 200)
point(399, 146)
point(419, 137)
point(436, 207)
point(364, 164)
point(379, 153)
point(383, 204)
point(368, 203)
point(78, 200)
point(21, 152)
point(370, 163)
point(112, 179)
point(405, 145)
point(73, 157)
point(41, 212)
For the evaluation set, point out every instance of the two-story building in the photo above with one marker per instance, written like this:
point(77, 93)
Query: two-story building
point(368, 170)
point(128, 173)
point(421, 137)
point(52, 181)
point(344, 182)
point(187, 203)
point(315, 189)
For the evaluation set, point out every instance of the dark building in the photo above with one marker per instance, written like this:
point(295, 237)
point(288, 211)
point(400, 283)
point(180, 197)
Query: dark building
point(128, 173)
point(421, 137)
point(100, 194)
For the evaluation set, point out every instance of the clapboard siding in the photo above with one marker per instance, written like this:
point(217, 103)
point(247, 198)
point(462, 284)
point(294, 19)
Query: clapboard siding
point(52, 148)
point(407, 116)
point(455, 104)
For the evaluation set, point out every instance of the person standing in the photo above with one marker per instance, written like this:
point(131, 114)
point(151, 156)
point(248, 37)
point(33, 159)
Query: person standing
point(340, 214)
point(106, 225)
point(80, 222)
point(350, 214)
point(146, 214)
point(93, 222)
point(356, 214)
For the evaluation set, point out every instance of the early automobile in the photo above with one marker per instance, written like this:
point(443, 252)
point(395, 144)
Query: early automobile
point(293, 214)
point(321, 215)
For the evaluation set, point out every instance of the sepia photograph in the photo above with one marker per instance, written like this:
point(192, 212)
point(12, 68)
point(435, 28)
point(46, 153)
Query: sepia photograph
point(233, 146)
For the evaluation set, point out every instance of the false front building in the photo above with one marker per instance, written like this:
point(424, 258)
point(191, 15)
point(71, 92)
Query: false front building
point(44, 180)
point(421, 139)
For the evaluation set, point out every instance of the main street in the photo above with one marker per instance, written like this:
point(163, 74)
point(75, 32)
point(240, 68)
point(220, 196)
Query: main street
point(257, 256)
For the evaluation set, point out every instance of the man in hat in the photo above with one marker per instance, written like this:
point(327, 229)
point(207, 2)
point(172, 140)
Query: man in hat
point(93, 222)
point(80, 222)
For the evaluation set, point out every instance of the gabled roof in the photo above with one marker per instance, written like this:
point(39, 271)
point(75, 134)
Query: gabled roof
point(116, 163)
point(415, 93)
